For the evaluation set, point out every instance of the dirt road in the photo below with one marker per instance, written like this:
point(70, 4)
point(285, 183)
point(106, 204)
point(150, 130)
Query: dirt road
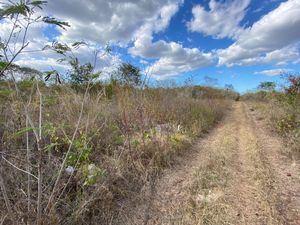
point(238, 174)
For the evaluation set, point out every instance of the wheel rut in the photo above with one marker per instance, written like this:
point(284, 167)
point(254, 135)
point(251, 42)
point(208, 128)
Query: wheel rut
point(237, 174)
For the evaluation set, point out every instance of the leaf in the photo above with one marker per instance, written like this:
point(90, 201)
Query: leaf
point(38, 4)
point(60, 48)
point(11, 10)
point(48, 74)
point(77, 44)
point(46, 47)
point(2, 65)
point(5, 93)
point(54, 21)
point(23, 131)
point(51, 146)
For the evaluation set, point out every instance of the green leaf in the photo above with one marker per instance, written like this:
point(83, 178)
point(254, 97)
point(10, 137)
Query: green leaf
point(11, 10)
point(51, 146)
point(78, 44)
point(38, 4)
point(54, 21)
point(3, 65)
point(23, 131)
point(60, 48)
point(5, 93)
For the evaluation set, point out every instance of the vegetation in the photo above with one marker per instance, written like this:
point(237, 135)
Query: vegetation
point(73, 148)
point(94, 151)
point(281, 108)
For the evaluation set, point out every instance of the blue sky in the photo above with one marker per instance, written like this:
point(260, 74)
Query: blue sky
point(239, 42)
point(244, 78)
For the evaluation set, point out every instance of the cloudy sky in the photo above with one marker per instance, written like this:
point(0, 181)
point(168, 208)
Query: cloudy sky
point(239, 42)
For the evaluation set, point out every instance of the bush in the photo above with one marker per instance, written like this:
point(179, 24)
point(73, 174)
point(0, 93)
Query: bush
point(125, 136)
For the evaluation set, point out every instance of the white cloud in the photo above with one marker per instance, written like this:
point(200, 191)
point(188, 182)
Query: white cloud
point(282, 56)
point(274, 72)
point(178, 60)
point(98, 22)
point(110, 21)
point(272, 38)
point(172, 58)
point(42, 64)
point(222, 20)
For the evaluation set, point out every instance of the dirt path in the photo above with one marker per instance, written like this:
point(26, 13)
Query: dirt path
point(238, 174)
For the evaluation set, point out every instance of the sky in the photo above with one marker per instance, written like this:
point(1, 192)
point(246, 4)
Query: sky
point(207, 42)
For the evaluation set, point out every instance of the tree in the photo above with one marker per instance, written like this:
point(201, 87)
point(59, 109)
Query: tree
point(22, 72)
point(21, 15)
point(129, 74)
point(267, 86)
point(229, 87)
point(80, 74)
point(294, 85)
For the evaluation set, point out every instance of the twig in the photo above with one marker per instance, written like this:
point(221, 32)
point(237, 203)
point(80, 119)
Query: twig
point(24, 171)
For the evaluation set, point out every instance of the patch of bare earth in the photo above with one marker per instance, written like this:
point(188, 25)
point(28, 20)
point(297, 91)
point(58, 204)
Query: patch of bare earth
point(238, 174)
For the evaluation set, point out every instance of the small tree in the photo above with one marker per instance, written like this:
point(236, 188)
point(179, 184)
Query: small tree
point(294, 85)
point(21, 15)
point(129, 74)
point(267, 86)
point(80, 74)
point(292, 90)
point(229, 87)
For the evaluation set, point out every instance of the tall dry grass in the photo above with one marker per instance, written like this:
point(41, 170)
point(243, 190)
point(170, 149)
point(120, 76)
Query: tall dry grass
point(97, 148)
point(282, 111)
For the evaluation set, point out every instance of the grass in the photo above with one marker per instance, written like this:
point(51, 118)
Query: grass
point(206, 203)
point(95, 148)
point(281, 110)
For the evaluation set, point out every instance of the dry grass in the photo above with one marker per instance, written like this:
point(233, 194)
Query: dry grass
point(281, 110)
point(206, 203)
point(119, 142)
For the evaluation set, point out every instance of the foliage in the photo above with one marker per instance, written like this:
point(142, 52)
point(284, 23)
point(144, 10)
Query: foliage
point(117, 147)
point(80, 74)
point(22, 15)
point(267, 86)
point(282, 109)
point(129, 74)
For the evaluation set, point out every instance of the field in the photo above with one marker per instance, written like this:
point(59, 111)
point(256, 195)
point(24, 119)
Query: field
point(90, 151)
point(107, 115)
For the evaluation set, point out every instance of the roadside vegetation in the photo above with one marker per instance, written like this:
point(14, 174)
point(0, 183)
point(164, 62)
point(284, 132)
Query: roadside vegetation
point(94, 149)
point(281, 108)
point(73, 148)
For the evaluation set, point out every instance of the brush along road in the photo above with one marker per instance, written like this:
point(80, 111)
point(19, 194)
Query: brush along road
point(237, 174)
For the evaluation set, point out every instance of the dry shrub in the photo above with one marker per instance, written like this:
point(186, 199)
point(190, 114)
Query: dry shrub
point(282, 109)
point(123, 139)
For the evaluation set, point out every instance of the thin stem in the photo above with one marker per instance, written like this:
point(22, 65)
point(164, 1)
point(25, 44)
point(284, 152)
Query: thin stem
point(68, 151)
point(39, 201)
point(18, 168)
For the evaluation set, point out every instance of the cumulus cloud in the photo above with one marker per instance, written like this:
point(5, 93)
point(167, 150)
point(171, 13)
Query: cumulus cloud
point(98, 22)
point(222, 20)
point(172, 58)
point(274, 72)
point(178, 60)
point(282, 56)
point(273, 38)
point(109, 21)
